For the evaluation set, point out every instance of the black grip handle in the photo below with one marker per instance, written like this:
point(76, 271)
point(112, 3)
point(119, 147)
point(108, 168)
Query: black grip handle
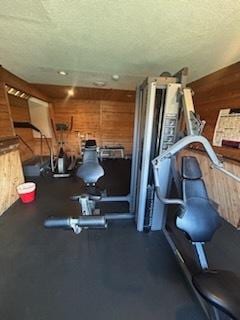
point(57, 223)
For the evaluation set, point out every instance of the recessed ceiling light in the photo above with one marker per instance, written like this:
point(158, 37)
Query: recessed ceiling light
point(62, 73)
point(70, 92)
point(99, 83)
point(115, 77)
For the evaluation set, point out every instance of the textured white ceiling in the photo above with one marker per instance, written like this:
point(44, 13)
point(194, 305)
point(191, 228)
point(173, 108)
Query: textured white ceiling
point(93, 39)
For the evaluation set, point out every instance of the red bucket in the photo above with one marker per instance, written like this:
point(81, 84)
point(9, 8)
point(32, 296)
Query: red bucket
point(27, 191)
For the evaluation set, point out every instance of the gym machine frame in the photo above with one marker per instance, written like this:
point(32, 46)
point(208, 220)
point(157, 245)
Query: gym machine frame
point(147, 197)
point(172, 92)
point(164, 114)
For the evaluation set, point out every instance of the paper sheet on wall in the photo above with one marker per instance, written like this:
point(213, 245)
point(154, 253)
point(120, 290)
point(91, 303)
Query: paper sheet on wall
point(227, 127)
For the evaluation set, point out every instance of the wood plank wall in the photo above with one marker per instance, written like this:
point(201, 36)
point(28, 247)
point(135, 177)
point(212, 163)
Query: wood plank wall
point(6, 127)
point(11, 176)
point(217, 91)
point(221, 188)
point(109, 122)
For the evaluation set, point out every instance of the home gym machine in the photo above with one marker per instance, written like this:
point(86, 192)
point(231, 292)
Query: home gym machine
point(196, 216)
point(160, 103)
point(165, 123)
point(62, 164)
point(157, 98)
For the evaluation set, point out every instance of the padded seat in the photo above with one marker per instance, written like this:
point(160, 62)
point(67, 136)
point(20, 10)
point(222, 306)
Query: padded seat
point(193, 189)
point(90, 154)
point(90, 172)
point(199, 220)
point(221, 289)
point(192, 183)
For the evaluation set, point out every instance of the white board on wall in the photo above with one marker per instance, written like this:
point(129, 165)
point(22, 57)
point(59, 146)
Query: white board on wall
point(40, 118)
point(227, 126)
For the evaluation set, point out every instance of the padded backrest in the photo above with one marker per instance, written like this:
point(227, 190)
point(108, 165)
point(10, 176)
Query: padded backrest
point(194, 189)
point(90, 155)
point(200, 219)
point(192, 184)
point(90, 170)
point(190, 168)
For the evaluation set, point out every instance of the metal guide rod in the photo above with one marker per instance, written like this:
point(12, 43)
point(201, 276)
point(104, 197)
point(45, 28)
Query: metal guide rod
point(146, 154)
point(199, 246)
point(228, 173)
point(126, 198)
point(188, 109)
point(118, 216)
point(135, 151)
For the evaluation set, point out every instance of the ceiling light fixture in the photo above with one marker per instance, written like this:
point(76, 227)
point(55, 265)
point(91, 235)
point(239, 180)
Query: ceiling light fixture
point(115, 77)
point(70, 92)
point(62, 73)
point(99, 83)
point(17, 93)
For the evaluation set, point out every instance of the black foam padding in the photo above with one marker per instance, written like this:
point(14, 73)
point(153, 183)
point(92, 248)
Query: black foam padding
point(90, 143)
point(57, 223)
point(199, 221)
point(221, 289)
point(194, 189)
point(190, 168)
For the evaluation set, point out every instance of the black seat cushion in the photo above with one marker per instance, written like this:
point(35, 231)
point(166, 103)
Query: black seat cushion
point(221, 289)
point(190, 168)
point(199, 220)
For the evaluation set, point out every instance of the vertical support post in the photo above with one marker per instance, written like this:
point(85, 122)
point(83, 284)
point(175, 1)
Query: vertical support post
point(146, 155)
point(188, 109)
point(216, 314)
point(135, 149)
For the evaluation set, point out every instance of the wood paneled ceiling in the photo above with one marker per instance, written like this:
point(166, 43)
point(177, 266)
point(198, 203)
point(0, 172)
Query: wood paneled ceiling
point(61, 92)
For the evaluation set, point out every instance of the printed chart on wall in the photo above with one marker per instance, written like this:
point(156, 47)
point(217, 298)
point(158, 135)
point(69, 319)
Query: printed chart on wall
point(227, 130)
